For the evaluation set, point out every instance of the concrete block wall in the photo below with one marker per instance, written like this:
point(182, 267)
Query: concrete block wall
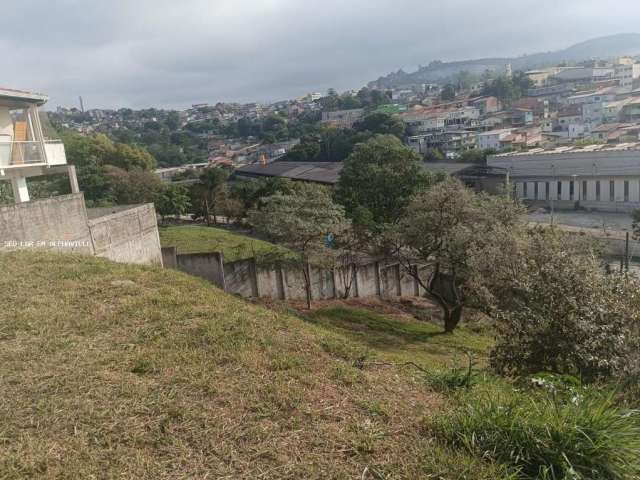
point(58, 223)
point(123, 234)
point(208, 266)
point(129, 235)
point(245, 279)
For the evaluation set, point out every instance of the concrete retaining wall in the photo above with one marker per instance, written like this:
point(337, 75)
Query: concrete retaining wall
point(128, 236)
point(122, 234)
point(248, 280)
point(58, 223)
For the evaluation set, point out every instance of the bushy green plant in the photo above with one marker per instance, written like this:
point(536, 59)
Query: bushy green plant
point(452, 379)
point(543, 436)
point(560, 313)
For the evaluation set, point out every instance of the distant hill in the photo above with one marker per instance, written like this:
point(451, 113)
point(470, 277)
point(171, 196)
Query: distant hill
point(597, 48)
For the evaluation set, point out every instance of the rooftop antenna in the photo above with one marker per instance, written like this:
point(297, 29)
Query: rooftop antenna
point(81, 104)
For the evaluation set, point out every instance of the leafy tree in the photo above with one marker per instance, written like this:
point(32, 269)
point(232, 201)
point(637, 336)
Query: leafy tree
point(173, 200)
point(173, 120)
point(559, 312)
point(448, 92)
point(306, 151)
point(444, 230)
point(381, 123)
point(208, 191)
point(434, 155)
point(378, 180)
point(508, 89)
point(475, 155)
point(130, 157)
point(127, 187)
point(301, 221)
point(250, 192)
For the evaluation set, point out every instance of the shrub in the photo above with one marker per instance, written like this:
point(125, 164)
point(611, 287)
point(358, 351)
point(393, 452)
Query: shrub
point(564, 315)
point(452, 379)
point(541, 436)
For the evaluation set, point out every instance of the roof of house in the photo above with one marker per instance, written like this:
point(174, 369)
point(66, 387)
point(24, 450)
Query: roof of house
point(18, 98)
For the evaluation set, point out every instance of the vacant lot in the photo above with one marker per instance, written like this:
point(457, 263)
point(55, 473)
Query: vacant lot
point(116, 371)
point(201, 239)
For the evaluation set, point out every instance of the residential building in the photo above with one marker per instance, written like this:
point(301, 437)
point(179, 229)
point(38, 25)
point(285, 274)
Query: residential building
point(343, 118)
point(584, 74)
point(626, 73)
point(493, 139)
point(24, 150)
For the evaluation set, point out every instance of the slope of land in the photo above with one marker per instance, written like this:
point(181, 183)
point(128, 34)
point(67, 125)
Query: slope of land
point(117, 371)
point(600, 48)
point(201, 239)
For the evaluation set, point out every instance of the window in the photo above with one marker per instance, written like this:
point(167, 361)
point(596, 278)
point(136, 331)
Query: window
point(612, 191)
point(546, 190)
point(559, 190)
point(626, 190)
point(584, 190)
point(571, 190)
point(524, 189)
point(598, 190)
point(535, 190)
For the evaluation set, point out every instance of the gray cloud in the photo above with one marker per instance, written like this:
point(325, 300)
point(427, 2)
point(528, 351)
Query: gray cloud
point(165, 53)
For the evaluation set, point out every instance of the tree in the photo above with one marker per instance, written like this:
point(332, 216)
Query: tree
point(558, 311)
point(475, 155)
point(251, 192)
point(448, 92)
point(443, 231)
point(301, 221)
point(508, 89)
point(208, 190)
point(378, 180)
point(434, 155)
point(173, 200)
point(132, 187)
point(381, 123)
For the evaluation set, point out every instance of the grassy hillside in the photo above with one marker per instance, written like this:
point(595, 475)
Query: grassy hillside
point(116, 371)
point(200, 239)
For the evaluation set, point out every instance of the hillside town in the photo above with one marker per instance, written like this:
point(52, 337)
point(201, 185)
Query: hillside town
point(572, 110)
point(432, 276)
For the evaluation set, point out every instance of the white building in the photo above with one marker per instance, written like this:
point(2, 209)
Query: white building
point(599, 177)
point(343, 118)
point(493, 139)
point(626, 73)
point(24, 150)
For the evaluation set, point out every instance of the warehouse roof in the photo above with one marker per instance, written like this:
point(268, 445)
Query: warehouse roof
point(319, 172)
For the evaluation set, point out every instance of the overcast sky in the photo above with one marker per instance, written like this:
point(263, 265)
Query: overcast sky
point(172, 53)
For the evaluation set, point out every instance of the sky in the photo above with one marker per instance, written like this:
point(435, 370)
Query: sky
point(172, 53)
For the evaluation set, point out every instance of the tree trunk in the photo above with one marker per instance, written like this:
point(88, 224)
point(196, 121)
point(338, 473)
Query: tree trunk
point(206, 208)
point(452, 318)
point(306, 273)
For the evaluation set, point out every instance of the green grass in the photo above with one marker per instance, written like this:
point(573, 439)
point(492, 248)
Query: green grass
point(165, 376)
point(539, 436)
point(201, 239)
point(401, 337)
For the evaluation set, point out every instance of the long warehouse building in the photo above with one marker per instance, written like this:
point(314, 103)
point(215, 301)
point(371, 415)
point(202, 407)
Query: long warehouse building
point(598, 177)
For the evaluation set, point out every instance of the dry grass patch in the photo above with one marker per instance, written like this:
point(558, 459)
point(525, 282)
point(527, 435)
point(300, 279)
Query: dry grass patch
point(115, 371)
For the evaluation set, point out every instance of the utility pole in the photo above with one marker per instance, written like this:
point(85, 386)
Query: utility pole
point(626, 253)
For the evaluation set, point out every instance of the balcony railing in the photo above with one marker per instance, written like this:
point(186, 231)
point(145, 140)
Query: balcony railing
point(20, 153)
point(17, 154)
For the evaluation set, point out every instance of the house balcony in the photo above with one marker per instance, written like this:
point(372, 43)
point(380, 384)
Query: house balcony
point(19, 154)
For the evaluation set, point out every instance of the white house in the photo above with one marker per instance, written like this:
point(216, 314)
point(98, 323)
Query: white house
point(492, 139)
point(24, 150)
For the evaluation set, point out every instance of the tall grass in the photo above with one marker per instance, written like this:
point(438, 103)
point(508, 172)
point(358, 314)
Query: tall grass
point(542, 436)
